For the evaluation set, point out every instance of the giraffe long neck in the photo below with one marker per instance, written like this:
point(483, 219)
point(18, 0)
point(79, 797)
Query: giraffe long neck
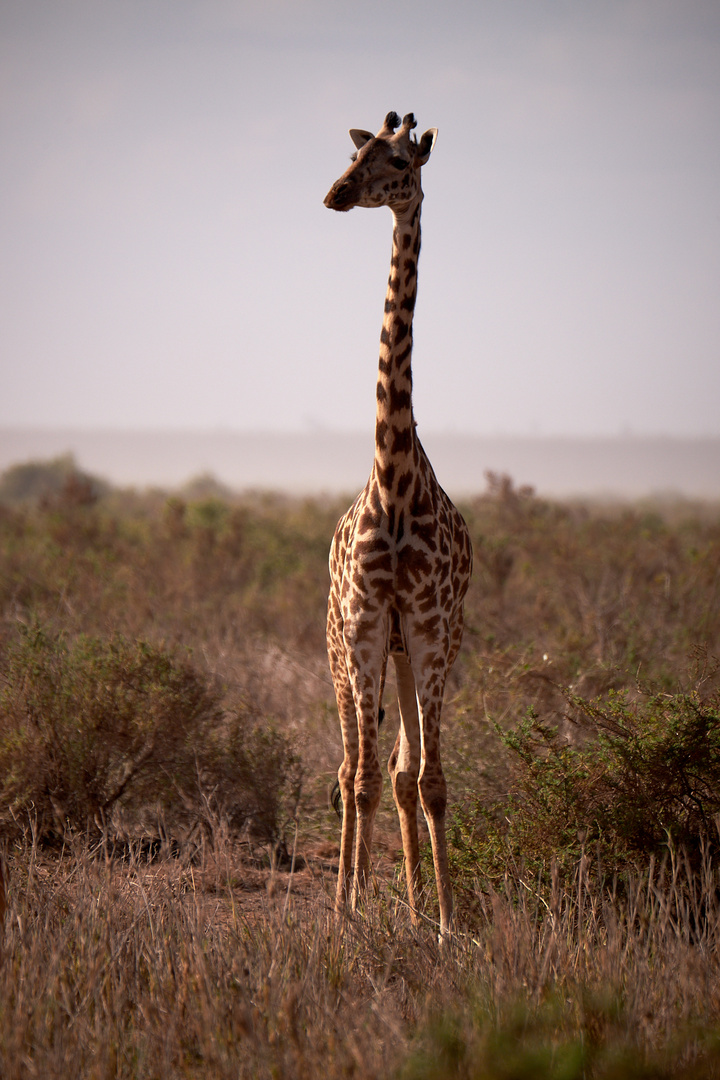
point(395, 452)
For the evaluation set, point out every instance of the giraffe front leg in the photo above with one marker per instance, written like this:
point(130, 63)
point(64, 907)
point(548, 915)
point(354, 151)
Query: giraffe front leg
point(364, 639)
point(348, 768)
point(367, 791)
point(346, 778)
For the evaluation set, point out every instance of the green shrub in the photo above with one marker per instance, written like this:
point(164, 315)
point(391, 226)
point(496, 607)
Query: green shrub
point(90, 725)
point(643, 773)
point(59, 478)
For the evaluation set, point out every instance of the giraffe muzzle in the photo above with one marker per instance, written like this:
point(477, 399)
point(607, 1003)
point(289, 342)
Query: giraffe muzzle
point(341, 196)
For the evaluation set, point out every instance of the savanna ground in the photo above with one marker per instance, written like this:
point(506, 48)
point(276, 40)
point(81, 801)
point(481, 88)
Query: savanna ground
point(168, 743)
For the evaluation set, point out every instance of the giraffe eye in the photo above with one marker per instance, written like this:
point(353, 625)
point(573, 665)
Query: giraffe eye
point(399, 163)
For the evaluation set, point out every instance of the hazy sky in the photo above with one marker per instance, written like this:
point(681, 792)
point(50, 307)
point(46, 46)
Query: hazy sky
point(167, 261)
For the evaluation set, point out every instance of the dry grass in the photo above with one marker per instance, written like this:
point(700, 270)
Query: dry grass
point(219, 968)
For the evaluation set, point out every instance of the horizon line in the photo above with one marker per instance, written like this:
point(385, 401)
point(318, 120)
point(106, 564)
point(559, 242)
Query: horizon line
point(321, 432)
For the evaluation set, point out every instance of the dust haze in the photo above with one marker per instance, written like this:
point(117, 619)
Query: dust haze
point(326, 462)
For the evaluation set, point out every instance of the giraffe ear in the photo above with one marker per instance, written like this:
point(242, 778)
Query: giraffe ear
point(360, 137)
point(425, 146)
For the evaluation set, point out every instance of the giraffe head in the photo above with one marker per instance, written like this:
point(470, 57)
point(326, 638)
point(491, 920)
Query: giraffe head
point(385, 170)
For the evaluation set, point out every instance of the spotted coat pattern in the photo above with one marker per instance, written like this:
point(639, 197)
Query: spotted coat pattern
point(400, 561)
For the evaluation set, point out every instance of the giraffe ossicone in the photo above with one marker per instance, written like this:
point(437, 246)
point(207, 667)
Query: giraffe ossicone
point(400, 560)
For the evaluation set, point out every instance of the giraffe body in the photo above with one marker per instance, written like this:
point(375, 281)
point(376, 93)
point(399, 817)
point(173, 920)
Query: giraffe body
point(400, 561)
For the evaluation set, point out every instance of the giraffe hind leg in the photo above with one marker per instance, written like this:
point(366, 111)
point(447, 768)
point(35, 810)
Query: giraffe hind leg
point(404, 767)
point(431, 667)
point(433, 796)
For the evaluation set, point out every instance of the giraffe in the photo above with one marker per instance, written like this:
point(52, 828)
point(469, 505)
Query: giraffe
point(400, 560)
